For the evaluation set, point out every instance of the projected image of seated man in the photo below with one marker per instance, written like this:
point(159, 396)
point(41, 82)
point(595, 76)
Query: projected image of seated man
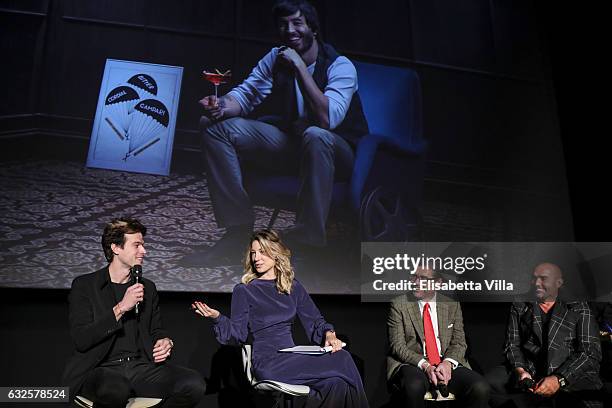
point(122, 349)
point(317, 122)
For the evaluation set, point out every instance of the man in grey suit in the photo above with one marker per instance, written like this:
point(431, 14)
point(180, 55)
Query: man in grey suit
point(427, 347)
point(552, 348)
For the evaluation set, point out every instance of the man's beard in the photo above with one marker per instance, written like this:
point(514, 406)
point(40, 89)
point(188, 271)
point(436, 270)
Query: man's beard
point(307, 40)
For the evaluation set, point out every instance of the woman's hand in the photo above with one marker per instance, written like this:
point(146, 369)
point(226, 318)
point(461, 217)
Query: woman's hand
point(204, 310)
point(333, 341)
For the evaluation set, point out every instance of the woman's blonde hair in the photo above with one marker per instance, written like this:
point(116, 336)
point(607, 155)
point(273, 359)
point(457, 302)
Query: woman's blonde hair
point(274, 248)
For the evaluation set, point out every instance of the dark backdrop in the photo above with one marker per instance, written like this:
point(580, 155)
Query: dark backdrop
point(489, 109)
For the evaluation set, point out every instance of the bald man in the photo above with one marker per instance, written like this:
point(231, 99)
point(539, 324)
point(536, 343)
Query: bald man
point(553, 343)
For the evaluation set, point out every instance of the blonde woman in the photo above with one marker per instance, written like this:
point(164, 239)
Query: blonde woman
point(265, 304)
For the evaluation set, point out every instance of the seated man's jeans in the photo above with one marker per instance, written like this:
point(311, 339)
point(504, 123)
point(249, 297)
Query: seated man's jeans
point(320, 156)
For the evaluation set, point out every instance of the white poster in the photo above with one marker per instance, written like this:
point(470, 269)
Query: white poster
point(136, 117)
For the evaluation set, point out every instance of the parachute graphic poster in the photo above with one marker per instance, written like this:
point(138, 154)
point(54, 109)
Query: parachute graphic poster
point(136, 117)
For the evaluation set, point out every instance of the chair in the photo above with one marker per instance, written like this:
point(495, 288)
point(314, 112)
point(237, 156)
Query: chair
point(384, 192)
point(438, 398)
point(283, 390)
point(138, 402)
point(431, 398)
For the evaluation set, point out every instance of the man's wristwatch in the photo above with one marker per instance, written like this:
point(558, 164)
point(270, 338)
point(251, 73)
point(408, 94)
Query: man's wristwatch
point(562, 381)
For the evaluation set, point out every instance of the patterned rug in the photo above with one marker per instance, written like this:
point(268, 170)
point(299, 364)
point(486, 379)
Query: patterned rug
point(52, 214)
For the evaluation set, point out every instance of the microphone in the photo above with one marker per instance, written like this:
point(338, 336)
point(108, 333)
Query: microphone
point(137, 273)
point(525, 384)
point(443, 389)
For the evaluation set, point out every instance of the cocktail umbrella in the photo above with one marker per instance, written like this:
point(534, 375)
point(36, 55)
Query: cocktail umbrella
point(144, 84)
point(149, 124)
point(118, 106)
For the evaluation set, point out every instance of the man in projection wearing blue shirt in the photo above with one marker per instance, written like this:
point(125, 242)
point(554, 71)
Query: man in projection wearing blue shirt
point(317, 124)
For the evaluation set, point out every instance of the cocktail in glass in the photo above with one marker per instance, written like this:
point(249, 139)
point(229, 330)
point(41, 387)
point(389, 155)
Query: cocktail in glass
point(217, 78)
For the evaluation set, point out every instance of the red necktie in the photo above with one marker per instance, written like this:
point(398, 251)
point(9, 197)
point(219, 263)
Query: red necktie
point(433, 355)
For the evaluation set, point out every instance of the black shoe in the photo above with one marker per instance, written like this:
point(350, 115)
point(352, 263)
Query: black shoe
point(229, 250)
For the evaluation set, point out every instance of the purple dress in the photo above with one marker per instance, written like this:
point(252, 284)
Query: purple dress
point(258, 308)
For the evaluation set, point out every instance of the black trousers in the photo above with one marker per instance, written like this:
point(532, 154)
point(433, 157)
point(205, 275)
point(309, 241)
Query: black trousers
point(504, 393)
point(111, 386)
point(470, 388)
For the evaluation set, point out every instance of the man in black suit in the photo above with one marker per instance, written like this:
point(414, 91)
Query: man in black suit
point(552, 343)
point(121, 347)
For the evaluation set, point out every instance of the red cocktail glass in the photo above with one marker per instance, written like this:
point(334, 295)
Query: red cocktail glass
point(217, 78)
